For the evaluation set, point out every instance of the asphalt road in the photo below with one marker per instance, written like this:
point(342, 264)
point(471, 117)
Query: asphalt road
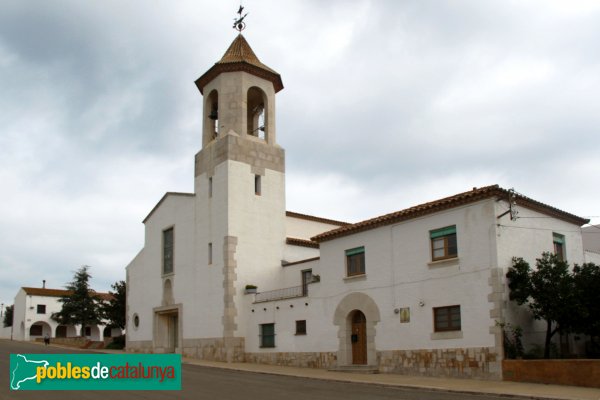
point(200, 383)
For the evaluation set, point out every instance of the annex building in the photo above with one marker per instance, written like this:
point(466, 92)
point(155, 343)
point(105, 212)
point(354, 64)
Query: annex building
point(417, 291)
point(32, 317)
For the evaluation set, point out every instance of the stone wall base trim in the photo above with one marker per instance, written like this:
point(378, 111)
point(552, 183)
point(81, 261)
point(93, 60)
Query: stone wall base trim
point(321, 360)
point(139, 346)
point(474, 362)
point(230, 349)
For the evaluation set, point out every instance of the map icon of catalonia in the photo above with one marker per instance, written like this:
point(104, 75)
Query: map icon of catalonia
point(24, 370)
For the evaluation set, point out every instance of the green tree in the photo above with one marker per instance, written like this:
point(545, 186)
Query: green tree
point(113, 310)
point(80, 306)
point(549, 291)
point(587, 286)
point(8, 316)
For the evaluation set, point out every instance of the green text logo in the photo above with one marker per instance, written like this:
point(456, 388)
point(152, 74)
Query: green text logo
point(95, 372)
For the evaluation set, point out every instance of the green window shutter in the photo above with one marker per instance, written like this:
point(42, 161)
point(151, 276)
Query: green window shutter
point(449, 230)
point(357, 250)
point(558, 238)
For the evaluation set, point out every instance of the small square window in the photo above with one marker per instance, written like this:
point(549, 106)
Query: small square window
point(443, 243)
point(301, 327)
point(41, 309)
point(257, 185)
point(267, 335)
point(559, 246)
point(446, 319)
point(355, 261)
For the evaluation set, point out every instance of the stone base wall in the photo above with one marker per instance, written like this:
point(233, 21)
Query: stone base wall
point(215, 349)
point(556, 372)
point(138, 346)
point(477, 362)
point(296, 359)
point(71, 341)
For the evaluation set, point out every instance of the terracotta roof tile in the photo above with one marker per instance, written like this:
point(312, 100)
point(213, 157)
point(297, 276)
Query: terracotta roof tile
point(59, 293)
point(240, 57)
point(240, 51)
point(444, 204)
point(302, 242)
point(315, 219)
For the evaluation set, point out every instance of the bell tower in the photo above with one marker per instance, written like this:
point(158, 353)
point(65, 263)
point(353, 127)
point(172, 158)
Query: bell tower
point(239, 188)
point(239, 95)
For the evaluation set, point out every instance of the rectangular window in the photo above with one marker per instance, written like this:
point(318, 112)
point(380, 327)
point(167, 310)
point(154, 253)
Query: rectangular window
point(41, 309)
point(301, 327)
point(306, 279)
point(559, 246)
point(267, 335)
point(209, 253)
point(446, 319)
point(257, 188)
point(168, 251)
point(88, 331)
point(355, 261)
point(210, 184)
point(443, 243)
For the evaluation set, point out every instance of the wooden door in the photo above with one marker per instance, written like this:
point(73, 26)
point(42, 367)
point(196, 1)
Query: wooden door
point(359, 338)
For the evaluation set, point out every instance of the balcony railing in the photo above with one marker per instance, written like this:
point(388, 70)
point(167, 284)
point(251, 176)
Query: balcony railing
point(280, 294)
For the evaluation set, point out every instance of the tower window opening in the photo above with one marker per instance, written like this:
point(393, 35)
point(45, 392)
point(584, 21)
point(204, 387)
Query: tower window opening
point(213, 115)
point(256, 117)
point(257, 184)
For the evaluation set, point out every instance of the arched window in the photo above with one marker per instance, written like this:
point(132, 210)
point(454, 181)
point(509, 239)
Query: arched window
point(257, 114)
point(212, 114)
point(167, 293)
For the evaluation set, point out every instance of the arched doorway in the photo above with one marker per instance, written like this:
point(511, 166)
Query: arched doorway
point(39, 329)
point(359, 337)
point(356, 311)
point(61, 331)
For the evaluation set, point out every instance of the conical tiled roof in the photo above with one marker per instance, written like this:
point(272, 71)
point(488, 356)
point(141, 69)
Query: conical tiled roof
point(240, 57)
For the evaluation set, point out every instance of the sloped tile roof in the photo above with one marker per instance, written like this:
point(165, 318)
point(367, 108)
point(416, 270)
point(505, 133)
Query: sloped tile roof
point(60, 293)
point(301, 242)
point(447, 203)
point(240, 57)
point(315, 219)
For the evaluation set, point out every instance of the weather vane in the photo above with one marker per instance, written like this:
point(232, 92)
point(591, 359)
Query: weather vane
point(238, 23)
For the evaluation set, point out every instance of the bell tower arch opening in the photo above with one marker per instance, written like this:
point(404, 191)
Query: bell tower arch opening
point(257, 116)
point(211, 117)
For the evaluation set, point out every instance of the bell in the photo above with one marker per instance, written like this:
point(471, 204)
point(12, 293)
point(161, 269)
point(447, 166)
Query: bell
point(214, 115)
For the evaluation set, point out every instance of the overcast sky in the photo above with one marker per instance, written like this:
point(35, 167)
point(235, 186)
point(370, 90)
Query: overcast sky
point(386, 104)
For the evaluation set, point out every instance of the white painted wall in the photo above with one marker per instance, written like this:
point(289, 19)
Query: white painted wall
point(292, 253)
point(592, 257)
point(528, 237)
point(302, 228)
point(145, 278)
point(398, 274)
point(26, 315)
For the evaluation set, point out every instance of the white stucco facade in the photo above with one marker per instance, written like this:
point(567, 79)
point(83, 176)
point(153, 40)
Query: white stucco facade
point(393, 314)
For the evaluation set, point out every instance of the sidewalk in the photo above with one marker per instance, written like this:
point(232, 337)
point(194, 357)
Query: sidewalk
point(471, 386)
point(502, 388)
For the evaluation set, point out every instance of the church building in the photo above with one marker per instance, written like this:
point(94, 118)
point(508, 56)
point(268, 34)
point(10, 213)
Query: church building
point(228, 274)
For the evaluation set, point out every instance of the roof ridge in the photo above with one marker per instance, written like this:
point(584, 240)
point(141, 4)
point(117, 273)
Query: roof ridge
point(445, 203)
point(308, 217)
